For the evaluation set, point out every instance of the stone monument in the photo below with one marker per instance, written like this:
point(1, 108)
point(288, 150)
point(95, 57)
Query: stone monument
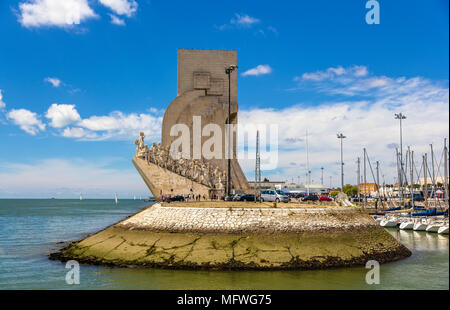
point(218, 234)
point(204, 90)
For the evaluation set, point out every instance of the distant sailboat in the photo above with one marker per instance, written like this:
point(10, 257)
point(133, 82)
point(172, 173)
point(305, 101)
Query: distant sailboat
point(81, 197)
point(134, 197)
point(115, 198)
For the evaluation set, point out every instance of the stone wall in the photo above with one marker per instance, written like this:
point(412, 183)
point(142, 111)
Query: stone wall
point(193, 63)
point(246, 220)
point(239, 238)
point(162, 181)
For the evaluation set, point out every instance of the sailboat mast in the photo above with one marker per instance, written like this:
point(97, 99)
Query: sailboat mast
point(446, 200)
point(425, 180)
point(358, 172)
point(411, 167)
point(307, 164)
point(399, 176)
point(365, 180)
point(433, 180)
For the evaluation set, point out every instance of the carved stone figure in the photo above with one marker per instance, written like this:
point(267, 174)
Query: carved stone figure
point(141, 147)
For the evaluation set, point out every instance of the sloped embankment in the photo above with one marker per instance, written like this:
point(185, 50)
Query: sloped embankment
point(241, 238)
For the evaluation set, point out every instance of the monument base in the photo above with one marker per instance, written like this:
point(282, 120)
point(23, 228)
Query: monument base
point(251, 237)
point(161, 181)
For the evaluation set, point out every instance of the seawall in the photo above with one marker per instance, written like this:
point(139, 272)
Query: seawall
point(239, 238)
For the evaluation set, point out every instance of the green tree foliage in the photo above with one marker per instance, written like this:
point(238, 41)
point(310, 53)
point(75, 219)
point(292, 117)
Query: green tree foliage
point(350, 190)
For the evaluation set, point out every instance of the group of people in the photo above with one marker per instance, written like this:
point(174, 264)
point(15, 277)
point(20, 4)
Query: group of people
point(193, 169)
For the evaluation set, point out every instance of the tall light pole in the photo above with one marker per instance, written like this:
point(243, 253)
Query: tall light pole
point(342, 137)
point(401, 117)
point(321, 178)
point(228, 71)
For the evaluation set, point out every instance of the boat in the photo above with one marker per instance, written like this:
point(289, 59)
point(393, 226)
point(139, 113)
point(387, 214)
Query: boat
point(115, 198)
point(433, 227)
point(407, 225)
point(377, 219)
point(429, 212)
point(81, 197)
point(420, 226)
point(390, 222)
point(443, 230)
point(393, 209)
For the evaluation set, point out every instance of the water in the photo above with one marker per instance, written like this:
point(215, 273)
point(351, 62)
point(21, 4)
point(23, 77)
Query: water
point(31, 229)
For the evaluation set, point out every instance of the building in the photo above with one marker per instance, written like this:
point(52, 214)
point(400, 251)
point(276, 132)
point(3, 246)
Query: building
point(368, 188)
point(267, 184)
point(438, 179)
point(302, 188)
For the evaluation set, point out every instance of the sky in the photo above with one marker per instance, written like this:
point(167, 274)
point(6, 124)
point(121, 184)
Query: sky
point(80, 78)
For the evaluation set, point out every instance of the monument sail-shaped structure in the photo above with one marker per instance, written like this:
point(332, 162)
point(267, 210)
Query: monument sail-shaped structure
point(199, 111)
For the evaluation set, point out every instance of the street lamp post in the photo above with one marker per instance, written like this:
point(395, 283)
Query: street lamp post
point(342, 137)
point(228, 71)
point(401, 117)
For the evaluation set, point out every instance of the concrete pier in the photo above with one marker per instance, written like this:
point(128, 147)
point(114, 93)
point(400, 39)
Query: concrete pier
point(210, 235)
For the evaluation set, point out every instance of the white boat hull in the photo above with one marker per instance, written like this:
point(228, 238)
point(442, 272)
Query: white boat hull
point(420, 227)
point(443, 230)
point(388, 223)
point(433, 228)
point(407, 225)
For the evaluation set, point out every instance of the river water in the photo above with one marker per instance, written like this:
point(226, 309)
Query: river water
point(31, 229)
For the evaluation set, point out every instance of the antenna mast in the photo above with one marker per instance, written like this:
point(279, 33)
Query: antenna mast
point(257, 169)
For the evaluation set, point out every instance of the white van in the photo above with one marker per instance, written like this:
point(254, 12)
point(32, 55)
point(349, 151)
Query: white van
point(272, 195)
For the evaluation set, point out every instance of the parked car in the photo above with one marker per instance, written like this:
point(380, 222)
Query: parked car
point(325, 198)
point(247, 197)
point(174, 198)
point(310, 198)
point(232, 197)
point(300, 195)
point(272, 195)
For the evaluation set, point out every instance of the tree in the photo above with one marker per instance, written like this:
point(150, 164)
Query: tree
point(266, 180)
point(350, 190)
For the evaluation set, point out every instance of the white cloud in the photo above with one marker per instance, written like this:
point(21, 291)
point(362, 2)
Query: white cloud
point(118, 125)
point(78, 133)
point(367, 120)
point(116, 21)
point(62, 115)
point(244, 20)
point(67, 178)
point(2, 103)
point(258, 70)
point(121, 7)
point(360, 71)
point(26, 120)
point(54, 81)
point(37, 13)
point(327, 74)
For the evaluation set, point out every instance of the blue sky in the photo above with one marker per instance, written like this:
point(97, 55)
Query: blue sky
point(326, 70)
